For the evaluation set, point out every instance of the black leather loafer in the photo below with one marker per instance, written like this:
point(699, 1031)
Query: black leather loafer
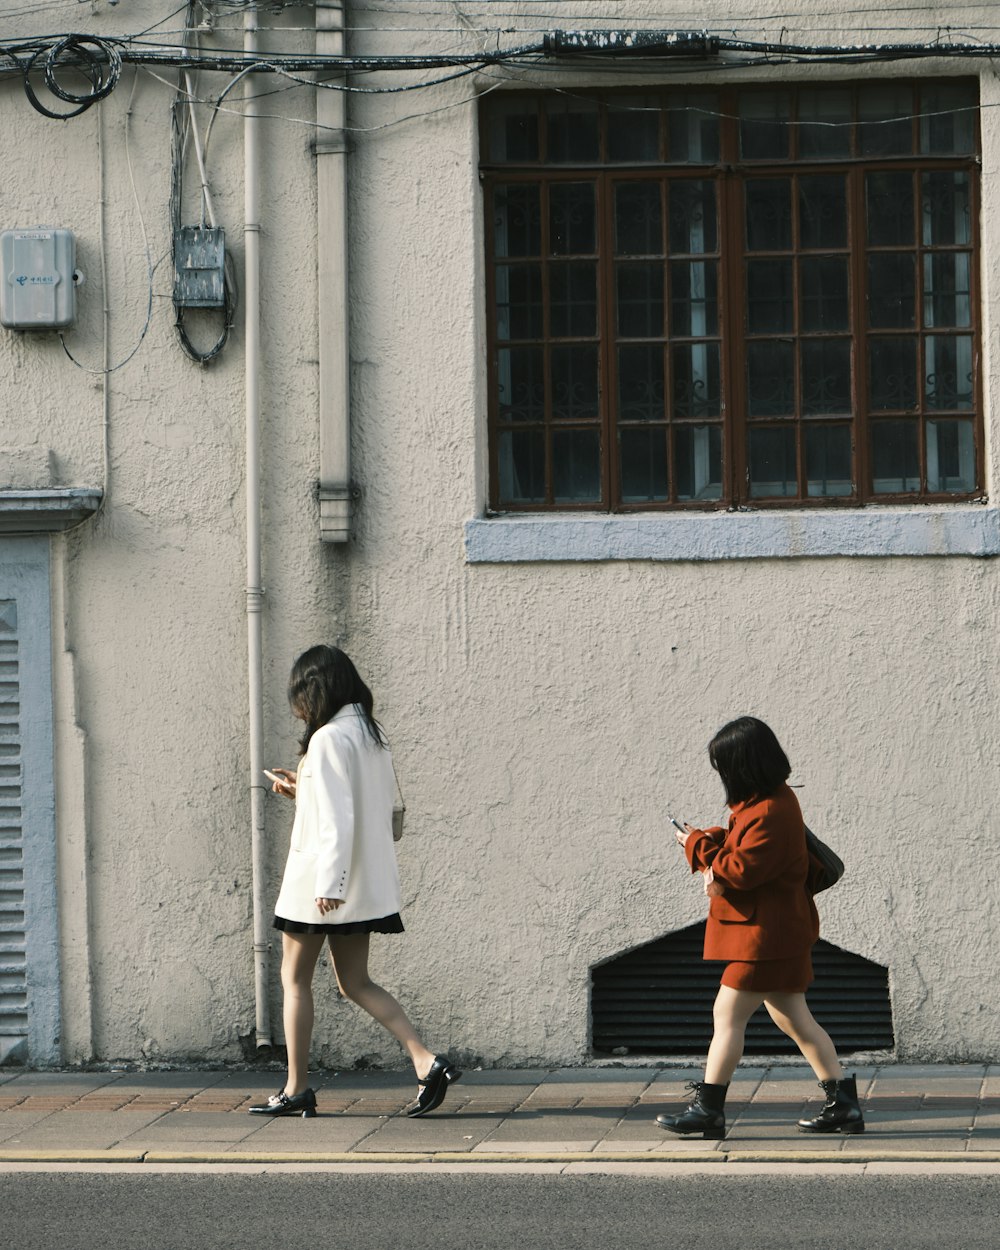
point(434, 1086)
point(303, 1104)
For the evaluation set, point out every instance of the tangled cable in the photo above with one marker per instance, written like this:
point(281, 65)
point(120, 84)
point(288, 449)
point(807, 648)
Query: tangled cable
point(98, 60)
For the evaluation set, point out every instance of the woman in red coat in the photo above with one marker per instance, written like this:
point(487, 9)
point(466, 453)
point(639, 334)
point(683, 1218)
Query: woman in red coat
point(763, 922)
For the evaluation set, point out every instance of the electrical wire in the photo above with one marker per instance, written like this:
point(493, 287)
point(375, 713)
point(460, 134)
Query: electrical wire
point(151, 268)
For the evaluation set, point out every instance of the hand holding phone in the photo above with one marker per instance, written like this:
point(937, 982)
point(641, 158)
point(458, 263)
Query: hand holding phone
point(281, 785)
point(682, 833)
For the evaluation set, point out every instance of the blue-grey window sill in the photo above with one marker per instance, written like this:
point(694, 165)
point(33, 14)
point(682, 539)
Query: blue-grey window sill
point(959, 530)
point(46, 511)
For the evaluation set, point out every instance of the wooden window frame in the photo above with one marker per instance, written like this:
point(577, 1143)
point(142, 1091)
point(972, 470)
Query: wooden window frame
point(729, 174)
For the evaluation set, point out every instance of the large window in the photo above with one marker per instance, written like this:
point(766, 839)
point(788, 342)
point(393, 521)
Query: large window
point(733, 298)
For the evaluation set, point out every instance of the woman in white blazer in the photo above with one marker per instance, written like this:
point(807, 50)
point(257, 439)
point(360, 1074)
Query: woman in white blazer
point(341, 883)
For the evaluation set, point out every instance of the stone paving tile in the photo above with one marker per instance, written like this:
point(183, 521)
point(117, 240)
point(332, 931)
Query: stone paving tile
point(65, 1130)
point(526, 1077)
point(590, 1077)
point(435, 1133)
point(671, 1143)
point(527, 1145)
point(175, 1125)
point(57, 1082)
point(13, 1123)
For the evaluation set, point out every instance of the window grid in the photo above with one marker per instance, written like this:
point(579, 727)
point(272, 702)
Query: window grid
point(953, 426)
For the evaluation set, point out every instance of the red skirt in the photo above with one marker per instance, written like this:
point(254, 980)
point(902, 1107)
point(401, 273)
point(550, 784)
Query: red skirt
point(775, 976)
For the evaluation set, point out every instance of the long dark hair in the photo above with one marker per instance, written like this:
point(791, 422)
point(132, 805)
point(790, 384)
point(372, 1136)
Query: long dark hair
point(323, 680)
point(749, 759)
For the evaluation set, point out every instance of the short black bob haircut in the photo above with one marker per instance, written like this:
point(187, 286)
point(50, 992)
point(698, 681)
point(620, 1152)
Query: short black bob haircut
point(749, 759)
point(323, 680)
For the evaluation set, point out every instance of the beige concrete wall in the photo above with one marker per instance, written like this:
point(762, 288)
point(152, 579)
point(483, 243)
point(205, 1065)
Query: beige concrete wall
point(543, 716)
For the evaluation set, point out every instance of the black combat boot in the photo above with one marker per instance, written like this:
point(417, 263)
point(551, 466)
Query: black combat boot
point(705, 1115)
point(841, 1113)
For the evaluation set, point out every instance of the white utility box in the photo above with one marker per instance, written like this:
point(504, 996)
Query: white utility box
point(37, 279)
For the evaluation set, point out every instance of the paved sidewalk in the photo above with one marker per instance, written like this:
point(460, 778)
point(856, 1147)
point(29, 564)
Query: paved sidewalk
point(940, 1112)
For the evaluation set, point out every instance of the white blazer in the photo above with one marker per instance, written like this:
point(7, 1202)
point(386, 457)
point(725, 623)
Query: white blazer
point(342, 836)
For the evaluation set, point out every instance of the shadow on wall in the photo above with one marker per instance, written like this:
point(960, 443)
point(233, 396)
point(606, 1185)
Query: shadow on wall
point(657, 1000)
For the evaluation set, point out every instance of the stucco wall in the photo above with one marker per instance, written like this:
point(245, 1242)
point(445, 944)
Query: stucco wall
point(543, 716)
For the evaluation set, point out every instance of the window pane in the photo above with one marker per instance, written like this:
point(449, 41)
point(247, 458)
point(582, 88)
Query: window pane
point(885, 113)
point(948, 119)
point(823, 303)
point(892, 295)
point(769, 214)
point(693, 225)
point(513, 130)
point(770, 308)
point(892, 373)
point(517, 217)
point(826, 376)
point(573, 290)
point(693, 123)
point(571, 218)
point(823, 211)
point(640, 382)
point(576, 466)
point(948, 372)
point(634, 129)
point(521, 384)
point(694, 299)
point(522, 466)
point(772, 462)
point(945, 208)
point(951, 457)
point(572, 131)
point(824, 124)
point(890, 209)
point(640, 300)
point(642, 457)
point(895, 458)
point(695, 386)
point(764, 125)
point(947, 300)
point(638, 219)
point(770, 379)
point(828, 460)
point(519, 301)
point(574, 381)
point(698, 462)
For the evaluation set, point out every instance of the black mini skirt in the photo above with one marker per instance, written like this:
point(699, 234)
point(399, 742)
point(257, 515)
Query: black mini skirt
point(384, 924)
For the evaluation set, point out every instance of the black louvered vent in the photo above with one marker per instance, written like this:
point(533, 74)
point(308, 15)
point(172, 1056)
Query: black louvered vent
point(657, 1000)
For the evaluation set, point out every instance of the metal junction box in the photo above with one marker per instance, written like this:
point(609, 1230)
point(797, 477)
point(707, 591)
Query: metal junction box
point(199, 267)
point(37, 283)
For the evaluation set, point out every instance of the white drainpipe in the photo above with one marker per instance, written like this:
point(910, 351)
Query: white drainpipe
point(332, 283)
point(255, 593)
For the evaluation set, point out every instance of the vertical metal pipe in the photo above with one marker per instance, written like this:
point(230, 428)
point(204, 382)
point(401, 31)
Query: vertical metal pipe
point(255, 593)
point(332, 282)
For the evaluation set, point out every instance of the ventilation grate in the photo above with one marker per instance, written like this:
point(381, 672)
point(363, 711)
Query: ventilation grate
point(657, 1000)
point(13, 972)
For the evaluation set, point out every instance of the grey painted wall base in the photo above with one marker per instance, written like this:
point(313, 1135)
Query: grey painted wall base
point(970, 530)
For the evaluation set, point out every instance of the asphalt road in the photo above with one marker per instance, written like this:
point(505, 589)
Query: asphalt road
point(469, 1211)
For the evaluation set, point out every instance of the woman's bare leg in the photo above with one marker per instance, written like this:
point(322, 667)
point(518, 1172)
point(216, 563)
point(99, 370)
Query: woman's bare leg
point(733, 1008)
point(791, 1014)
point(350, 965)
point(299, 952)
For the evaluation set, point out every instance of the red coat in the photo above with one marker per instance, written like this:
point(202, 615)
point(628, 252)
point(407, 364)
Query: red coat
point(765, 910)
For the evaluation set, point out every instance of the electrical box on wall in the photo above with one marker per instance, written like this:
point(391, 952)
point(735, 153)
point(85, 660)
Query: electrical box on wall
point(200, 267)
point(37, 279)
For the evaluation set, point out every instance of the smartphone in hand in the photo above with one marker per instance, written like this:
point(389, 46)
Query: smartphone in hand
point(281, 781)
point(677, 825)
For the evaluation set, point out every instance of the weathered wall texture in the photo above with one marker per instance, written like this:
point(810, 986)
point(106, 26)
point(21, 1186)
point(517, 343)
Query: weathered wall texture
point(544, 717)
